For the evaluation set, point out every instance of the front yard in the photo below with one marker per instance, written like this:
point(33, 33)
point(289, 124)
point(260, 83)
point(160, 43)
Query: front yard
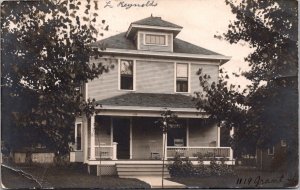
point(55, 177)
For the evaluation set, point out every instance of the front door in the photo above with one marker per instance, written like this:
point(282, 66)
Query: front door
point(121, 134)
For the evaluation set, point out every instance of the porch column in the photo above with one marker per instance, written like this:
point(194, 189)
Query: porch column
point(219, 136)
point(114, 153)
point(165, 146)
point(231, 135)
point(92, 148)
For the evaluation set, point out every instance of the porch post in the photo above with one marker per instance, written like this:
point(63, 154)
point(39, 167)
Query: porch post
point(231, 135)
point(92, 148)
point(164, 147)
point(114, 153)
point(219, 136)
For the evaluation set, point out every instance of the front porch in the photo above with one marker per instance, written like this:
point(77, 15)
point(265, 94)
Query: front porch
point(114, 140)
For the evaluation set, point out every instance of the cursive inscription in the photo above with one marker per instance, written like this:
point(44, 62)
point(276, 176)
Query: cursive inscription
point(123, 4)
point(258, 180)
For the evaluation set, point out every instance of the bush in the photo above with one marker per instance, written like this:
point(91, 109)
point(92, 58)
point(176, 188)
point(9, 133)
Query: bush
point(184, 167)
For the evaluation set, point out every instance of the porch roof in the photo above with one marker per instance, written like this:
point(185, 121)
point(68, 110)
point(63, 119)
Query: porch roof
point(150, 100)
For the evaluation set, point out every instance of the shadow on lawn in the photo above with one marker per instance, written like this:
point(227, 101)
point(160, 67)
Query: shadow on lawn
point(63, 177)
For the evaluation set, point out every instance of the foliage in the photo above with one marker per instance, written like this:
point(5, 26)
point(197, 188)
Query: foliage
point(185, 168)
point(168, 120)
point(266, 111)
point(271, 28)
point(44, 62)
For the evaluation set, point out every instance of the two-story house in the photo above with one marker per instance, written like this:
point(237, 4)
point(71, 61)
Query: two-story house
point(152, 71)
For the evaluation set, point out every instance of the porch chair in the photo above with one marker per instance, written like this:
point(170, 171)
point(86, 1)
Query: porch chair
point(154, 150)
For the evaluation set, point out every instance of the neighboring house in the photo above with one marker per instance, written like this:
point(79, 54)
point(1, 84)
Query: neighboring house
point(152, 71)
point(277, 157)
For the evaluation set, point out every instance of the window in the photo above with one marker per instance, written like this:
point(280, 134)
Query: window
point(153, 39)
point(182, 79)
point(271, 151)
point(283, 143)
point(78, 136)
point(126, 78)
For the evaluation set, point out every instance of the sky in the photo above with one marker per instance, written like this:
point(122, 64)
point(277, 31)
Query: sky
point(200, 19)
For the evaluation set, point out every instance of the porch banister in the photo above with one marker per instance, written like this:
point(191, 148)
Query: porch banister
point(92, 152)
point(114, 152)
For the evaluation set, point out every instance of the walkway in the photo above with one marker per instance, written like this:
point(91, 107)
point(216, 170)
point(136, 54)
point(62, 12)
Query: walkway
point(155, 182)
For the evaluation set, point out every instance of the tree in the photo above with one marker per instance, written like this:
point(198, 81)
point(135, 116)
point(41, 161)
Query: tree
point(168, 120)
point(45, 57)
point(267, 111)
point(271, 28)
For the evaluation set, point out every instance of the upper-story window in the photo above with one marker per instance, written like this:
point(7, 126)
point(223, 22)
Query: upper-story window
point(182, 79)
point(126, 74)
point(155, 39)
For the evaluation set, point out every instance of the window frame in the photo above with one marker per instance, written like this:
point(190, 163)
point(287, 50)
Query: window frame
point(155, 34)
point(81, 130)
point(133, 74)
point(188, 77)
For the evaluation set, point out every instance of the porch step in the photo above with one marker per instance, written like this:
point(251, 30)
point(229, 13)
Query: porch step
point(136, 170)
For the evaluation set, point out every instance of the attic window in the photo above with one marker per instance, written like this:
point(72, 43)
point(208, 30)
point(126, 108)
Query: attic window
point(154, 39)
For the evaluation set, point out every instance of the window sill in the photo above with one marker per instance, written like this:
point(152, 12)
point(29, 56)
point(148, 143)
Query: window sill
point(155, 45)
point(127, 90)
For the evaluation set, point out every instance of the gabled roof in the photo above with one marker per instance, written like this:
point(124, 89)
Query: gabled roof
point(120, 41)
point(156, 21)
point(150, 100)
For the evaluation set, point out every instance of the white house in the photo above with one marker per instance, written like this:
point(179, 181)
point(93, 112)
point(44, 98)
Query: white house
point(153, 71)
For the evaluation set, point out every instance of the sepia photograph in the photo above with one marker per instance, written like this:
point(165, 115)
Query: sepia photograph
point(142, 94)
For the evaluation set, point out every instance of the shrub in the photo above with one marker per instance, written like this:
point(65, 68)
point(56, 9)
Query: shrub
point(184, 167)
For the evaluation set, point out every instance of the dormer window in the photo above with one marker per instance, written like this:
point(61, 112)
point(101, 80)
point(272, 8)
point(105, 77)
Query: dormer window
point(126, 74)
point(155, 39)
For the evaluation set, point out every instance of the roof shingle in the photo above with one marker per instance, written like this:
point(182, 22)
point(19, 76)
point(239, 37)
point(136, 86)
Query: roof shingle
point(150, 100)
point(120, 41)
point(156, 21)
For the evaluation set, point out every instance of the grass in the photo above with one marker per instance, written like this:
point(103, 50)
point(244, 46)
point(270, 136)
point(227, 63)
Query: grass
point(58, 177)
point(242, 179)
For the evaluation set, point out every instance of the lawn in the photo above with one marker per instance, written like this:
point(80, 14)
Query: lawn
point(242, 179)
point(72, 178)
point(14, 180)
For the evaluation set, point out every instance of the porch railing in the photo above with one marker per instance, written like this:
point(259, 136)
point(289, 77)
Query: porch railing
point(105, 151)
point(192, 152)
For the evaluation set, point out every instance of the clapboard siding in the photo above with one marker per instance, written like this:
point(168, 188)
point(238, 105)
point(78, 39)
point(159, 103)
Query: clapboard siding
point(154, 77)
point(211, 70)
point(143, 46)
point(151, 76)
point(106, 85)
point(146, 137)
point(203, 135)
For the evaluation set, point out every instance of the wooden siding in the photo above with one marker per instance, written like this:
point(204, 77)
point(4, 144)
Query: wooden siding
point(106, 85)
point(145, 137)
point(211, 70)
point(154, 77)
point(202, 134)
point(166, 48)
point(151, 76)
point(102, 131)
